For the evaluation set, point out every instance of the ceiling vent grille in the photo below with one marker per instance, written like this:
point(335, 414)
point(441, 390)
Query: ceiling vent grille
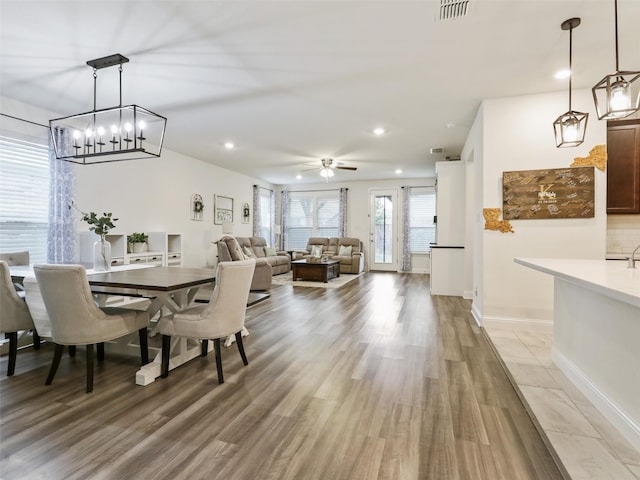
point(450, 9)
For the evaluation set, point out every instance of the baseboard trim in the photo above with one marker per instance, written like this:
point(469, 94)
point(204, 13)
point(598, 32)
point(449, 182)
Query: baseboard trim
point(625, 424)
point(521, 324)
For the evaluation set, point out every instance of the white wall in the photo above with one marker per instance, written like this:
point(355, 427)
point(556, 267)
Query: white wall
point(358, 207)
point(154, 195)
point(517, 134)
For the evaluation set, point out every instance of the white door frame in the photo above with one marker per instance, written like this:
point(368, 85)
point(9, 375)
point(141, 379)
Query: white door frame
point(393, 265)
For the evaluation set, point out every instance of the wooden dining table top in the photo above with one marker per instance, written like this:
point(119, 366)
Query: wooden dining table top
point(161, 279)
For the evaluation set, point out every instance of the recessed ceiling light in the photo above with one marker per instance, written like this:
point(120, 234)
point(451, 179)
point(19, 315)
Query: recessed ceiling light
point(398, 171)
point(451, 125)
point(229, 145)
point(562, 74)
point(378, 131)
point(298, 177)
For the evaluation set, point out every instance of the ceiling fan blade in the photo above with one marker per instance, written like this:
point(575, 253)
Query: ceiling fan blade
point(347, 168)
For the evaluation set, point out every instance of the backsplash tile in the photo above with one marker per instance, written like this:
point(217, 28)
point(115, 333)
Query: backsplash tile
point(623, 233)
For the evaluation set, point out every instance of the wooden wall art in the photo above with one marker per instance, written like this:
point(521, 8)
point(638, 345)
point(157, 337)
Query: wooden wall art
point(597, 157)
point(550, 193)
point(492, 221)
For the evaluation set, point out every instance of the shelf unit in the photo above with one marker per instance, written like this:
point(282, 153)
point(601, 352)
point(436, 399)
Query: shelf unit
point(165, 249)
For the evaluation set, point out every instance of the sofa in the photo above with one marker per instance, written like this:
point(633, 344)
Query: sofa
point(347, 250)
point(268, 262)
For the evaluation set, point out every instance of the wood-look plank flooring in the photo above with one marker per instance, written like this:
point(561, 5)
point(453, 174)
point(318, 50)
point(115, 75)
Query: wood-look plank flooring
point(375, 380)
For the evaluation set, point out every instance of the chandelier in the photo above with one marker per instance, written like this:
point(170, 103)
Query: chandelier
point(125, 132)
point(570, 127)
point(617, 95)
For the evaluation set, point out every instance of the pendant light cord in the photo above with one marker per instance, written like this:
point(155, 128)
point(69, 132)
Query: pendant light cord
point(570, 63)
point(616, 15)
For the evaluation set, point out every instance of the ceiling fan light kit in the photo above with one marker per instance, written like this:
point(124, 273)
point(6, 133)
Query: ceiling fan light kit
point(124, 132)
point(570, 127)
point(617, 95)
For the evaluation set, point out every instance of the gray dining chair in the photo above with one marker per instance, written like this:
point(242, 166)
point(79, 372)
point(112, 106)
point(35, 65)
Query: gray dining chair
point(14, 316)
point(223, 316)
point(77, 320)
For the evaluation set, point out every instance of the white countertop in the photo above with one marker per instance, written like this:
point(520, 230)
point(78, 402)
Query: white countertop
point(611, 278)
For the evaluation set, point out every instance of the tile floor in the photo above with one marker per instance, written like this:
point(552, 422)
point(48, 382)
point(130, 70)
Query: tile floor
point(589, 447)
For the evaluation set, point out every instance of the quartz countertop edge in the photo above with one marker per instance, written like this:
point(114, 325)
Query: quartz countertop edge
point(608, 278)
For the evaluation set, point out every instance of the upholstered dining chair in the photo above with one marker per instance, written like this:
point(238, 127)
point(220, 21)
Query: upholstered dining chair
point(14, 316)
point(224, 315)
point(76, 319)
point(16, 258)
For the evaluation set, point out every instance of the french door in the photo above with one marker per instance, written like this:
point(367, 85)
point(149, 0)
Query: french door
point(383, 230)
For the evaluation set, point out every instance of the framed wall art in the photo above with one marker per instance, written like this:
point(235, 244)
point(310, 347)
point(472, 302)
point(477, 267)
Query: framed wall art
point(223, 210)
point(549, 193)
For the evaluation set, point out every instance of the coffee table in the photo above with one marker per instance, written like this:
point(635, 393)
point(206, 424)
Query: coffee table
point(318, 272)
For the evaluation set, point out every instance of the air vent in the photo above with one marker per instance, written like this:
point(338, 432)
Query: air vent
point(450, 9)
point(436, 150)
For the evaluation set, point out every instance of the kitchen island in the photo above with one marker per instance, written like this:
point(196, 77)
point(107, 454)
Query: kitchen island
point(596, 334)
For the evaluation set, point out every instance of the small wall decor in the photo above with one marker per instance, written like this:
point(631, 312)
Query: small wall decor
point(246, 213)
point(492, 221)
point(550, 193)
point(223, 210)
point(197, 207)
point(597, 157)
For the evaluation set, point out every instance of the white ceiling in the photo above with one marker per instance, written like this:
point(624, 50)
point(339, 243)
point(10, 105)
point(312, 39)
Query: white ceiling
point(290, 82)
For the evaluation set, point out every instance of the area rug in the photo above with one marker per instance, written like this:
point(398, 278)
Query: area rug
point(343, 279)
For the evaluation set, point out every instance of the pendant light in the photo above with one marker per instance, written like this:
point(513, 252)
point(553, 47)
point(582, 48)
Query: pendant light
point(570, 127)
point(617, 95)
point(125, 132)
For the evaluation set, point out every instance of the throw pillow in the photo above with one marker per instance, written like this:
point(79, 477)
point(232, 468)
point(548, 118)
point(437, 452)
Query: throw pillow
point(316, 250)
point(344, 251)
point(270, 251)
point(248, 253)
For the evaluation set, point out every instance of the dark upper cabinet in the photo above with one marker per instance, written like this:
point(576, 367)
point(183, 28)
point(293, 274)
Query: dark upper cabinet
point(623, 166)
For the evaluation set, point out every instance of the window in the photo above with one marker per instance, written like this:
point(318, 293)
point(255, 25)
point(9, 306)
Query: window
point(422, 208)
point(267, 212)
point(24, 197)
point(312, 214)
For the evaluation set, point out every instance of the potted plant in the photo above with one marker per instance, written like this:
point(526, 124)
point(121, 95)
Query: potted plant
point(137, 242)
point(102, 248)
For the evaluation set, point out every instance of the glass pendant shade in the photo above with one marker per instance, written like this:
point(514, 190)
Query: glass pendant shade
point(128, 132)
point(326, 173)
point(617, 95)
point(570, 128)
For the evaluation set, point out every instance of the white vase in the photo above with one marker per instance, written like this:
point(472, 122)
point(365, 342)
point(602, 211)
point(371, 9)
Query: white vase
point(102, 255)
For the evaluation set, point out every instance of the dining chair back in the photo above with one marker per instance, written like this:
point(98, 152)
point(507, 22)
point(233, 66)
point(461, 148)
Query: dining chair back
point(15, 258)
point(14, 315)
point(223, 316)
point(77, 320)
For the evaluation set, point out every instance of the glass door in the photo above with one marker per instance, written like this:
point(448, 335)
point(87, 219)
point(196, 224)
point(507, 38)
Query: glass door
point(382, 230)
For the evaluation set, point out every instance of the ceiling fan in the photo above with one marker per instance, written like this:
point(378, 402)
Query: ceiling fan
point(328, 166)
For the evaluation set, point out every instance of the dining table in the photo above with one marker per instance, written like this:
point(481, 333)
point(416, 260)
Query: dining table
point(168, 290)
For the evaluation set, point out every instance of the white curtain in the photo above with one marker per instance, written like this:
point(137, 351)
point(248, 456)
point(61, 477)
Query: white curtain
point(284, 215)
point(62, 238)
point(405, 262)
point(256, 211)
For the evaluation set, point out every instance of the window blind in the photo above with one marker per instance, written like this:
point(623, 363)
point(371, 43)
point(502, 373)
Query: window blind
point(422, 208)
point(24, 197)
point(312, 214)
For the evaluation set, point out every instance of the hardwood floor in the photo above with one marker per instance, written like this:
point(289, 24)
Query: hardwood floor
point(375, 380)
